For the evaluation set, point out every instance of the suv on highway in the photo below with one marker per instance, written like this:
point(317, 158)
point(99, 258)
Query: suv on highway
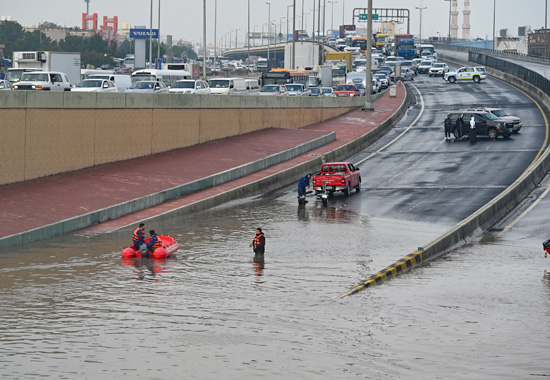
point(438, 69)
point(43, 80)
point(475, 74)
point(486, 124)
point(424, 67)
point(501, 114)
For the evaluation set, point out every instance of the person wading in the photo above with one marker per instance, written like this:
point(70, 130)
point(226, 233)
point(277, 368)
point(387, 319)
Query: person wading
point(258, 243)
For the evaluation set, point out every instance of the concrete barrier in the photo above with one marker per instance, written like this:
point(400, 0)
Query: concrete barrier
point(47, 133)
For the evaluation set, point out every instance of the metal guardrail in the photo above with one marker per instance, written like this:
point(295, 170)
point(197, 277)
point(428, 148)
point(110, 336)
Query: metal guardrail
point(511, 68)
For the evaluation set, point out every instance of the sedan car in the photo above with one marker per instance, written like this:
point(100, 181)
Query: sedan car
point(348, 90)
point(5, 85)
point(315, 91)
point(328, 91)
point(438, 69)
point(273, 90)
point(146, 86)
point(190, 86)
point(95, 85)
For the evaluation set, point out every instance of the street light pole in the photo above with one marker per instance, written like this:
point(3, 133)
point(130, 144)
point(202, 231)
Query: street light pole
point(268, 27)
point(494, 34)
point(368, 84)
point(421, 9)
point(287, 21)
point(215, 26)
point(293, 37)
point(449, 35)
point(248, 35)
point(204, 39)
point(158, 40)
point(332, 15)
point(151, 36)
point(236, 32)
point(343, 12)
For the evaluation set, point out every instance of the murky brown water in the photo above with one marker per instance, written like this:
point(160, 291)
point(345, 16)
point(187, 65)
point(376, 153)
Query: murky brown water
point(72, 310)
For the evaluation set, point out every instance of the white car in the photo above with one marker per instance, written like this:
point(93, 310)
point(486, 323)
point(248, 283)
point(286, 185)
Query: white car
point(5, 85)
point(475, 74)
point(407, 74)
point(190, 86)
point(145, 86)
point(273, 90)
point(95, 85)
point(328, 91)
point(438, 69)
point(383, 79)
point(297, 89)
point(43, 81)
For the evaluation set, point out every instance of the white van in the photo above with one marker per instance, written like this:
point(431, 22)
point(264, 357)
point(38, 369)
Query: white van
point(121, 81)
point(252, 85)
point(226, 86)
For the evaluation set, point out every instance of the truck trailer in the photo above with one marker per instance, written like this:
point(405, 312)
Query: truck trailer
point(404, 46)
point(64, 62)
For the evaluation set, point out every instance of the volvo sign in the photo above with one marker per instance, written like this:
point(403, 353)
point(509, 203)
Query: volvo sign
point(143, 33)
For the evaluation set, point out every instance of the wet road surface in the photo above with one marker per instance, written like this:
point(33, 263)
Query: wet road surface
point(72, 309)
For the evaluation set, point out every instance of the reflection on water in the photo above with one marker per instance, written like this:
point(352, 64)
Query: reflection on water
point(72, 309)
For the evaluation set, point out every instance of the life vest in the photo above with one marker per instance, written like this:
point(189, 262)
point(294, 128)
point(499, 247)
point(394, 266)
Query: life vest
point(256, 243)
point(158, 243)
point(135, 236)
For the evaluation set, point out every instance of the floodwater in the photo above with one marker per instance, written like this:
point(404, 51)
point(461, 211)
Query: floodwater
point(71, 309)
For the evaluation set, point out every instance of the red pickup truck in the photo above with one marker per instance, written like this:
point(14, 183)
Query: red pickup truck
point(337, 176)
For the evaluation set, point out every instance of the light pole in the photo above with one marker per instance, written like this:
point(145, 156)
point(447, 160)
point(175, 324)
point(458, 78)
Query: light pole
point(368, 79)
point(268, 27)
point(332, 15)
point(343, 12)
point(449, 35)
point(281, 25)
point(421, 9)
point(494, 34)
point(248, 35)
point(204, 39)
point(287, 20)
point(215, 26)
point(293, 61)
point(151, 36)
point(236, 30)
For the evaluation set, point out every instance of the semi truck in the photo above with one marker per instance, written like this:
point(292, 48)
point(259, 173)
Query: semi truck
point(404, 46)
point(64, 62)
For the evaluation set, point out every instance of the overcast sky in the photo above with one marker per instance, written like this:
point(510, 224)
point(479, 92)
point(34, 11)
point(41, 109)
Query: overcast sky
point(183, 18)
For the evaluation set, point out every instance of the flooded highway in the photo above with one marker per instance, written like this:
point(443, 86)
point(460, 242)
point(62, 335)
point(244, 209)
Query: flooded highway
point(72, 309)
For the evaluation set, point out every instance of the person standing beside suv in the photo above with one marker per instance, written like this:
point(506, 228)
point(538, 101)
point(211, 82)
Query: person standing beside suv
point(459, 124)
point(447, 124)
point(473, 132)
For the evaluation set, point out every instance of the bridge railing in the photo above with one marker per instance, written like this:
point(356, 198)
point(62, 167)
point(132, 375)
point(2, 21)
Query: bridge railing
point(511, 68)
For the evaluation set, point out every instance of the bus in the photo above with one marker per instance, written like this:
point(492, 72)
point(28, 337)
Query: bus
point(168, 77)
point(360, 42)
point(285, 76)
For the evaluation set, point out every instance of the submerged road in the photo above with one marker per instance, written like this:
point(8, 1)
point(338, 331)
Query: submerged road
point(71, 309)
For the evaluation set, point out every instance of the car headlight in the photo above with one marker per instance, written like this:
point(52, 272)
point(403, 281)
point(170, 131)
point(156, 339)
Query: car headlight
point(15, 87)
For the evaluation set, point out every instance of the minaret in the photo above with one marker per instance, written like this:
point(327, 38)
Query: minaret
point(466, 19)
point(454, 20)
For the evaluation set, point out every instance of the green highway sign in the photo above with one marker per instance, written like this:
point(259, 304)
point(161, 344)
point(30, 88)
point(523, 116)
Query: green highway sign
point(365, 16)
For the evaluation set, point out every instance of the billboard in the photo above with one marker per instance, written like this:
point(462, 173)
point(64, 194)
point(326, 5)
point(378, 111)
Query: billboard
point(143, 33)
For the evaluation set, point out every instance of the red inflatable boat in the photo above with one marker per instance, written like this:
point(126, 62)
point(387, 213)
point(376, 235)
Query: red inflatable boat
point(169, 246)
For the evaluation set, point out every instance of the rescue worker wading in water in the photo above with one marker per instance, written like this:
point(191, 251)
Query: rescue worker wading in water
point(138, 238)
point(259, 242)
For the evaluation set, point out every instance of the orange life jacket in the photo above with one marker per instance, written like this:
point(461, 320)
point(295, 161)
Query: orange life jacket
point(158, 243)
point(256, 242)
point(135, 236)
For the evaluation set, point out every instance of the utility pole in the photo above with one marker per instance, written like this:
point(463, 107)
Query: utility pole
point(268, 28)
point(158, 41)
point(293, 35)
point(204, 38)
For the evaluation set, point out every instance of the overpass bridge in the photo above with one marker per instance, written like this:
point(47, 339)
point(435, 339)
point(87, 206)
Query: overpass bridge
point(276, 51)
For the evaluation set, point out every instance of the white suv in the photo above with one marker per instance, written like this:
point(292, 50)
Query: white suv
point(190, 86)
point(438, 69)
point(475, 74)
point(43, 80)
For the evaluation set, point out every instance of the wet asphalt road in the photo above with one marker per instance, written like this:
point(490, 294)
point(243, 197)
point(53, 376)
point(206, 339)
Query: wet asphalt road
point(71, 308)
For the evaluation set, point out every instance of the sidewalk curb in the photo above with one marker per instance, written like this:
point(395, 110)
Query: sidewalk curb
point(138, 204)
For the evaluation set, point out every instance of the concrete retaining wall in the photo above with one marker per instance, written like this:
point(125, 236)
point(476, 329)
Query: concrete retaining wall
point(46, 133)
